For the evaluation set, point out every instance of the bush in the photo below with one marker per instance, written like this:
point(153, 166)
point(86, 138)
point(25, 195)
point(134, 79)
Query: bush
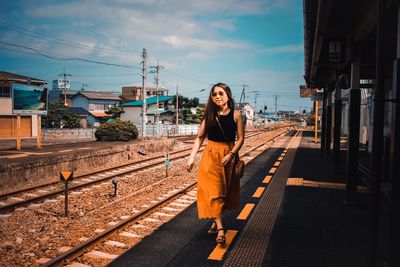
point(116, 131)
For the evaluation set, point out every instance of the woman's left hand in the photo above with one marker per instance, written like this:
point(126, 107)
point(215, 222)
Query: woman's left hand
point(227, 159)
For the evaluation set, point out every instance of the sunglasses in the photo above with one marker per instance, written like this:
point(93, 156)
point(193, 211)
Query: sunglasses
point(220, 93)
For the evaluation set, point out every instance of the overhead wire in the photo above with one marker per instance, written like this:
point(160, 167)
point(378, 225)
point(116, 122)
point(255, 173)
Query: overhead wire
point(85, 46)
point(60, 41)
point(60, 57)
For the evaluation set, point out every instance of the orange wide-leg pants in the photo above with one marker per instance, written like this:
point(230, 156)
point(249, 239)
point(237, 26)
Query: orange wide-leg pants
point(216, 190)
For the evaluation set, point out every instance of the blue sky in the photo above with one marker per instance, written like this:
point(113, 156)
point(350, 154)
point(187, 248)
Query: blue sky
point(253, 42)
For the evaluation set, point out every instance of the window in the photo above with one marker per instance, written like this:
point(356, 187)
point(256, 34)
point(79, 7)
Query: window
point(5, 91)
point(99, 106)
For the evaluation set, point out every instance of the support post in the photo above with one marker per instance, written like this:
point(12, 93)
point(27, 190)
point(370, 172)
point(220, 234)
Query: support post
point(328, 128)
point(337, 127)
point(39, 132)
point(18, 132)
point(144, 91)
point(394, 260)
point(316, 122)
point(177, 110)
point(354, 134)
point(377, 137)
point(323, 122)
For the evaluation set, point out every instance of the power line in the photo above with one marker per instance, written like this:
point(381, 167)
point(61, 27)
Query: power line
point(104, 75)
point(60, 41)
point(69, 59)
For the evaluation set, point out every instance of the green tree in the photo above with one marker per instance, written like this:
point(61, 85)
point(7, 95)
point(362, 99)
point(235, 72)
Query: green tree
point(116, 131)
point(115, 112)
point(189, 118)
point(185, 102)
point(58, 116)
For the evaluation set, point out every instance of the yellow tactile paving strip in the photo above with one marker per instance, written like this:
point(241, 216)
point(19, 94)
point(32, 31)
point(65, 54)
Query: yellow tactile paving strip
point(267, 179)
point(220, 250)
point(302, 182)
point(244, 214)
point(236, 256)
point(259, 192)
point(273, 170)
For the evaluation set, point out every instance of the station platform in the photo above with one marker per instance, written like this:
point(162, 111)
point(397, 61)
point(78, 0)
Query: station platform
point(292, 213)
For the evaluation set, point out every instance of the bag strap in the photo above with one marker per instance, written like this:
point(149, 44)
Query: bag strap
point(223, 133)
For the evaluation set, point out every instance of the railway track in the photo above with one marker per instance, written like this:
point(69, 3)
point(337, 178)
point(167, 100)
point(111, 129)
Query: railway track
point(25, 197)
point(167, 206)
point(100, 222)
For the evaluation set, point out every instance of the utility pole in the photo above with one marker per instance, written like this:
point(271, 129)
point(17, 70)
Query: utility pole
point(83, 86)
point(144, 81)
point(156, 79)
point(177, 110)
point(243, 95)
point(256, 94)
point(65, 85)
point(276, 105)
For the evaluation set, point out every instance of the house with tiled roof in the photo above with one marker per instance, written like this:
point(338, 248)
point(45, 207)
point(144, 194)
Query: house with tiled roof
point(29, 122)
point(97, 104)
point(247, 111)
point(133, 110)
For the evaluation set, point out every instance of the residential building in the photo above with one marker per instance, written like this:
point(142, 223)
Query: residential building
point(133, 110)
point(96, 103)
point(83, 114)
point(248, 111)
point(29, 123)
point(61, 92)
point(132, 93)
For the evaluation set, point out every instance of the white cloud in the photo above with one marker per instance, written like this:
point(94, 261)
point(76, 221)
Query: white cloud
point(156, 25)
point(286, 49)
point(194, 43)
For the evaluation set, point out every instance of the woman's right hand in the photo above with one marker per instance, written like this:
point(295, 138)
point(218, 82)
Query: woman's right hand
point(189, 164)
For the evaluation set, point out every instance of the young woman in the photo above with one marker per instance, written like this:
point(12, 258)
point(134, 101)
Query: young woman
point(216, 190)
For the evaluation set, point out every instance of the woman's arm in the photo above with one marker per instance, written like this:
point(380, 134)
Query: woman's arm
point(240, 138)
point(240, 131)
point(197, 144)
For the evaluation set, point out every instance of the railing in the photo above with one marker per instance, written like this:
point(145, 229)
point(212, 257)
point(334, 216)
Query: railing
point(169, 129)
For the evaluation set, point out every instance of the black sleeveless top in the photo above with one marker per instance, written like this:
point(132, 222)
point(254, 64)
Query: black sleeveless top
point(229, 126)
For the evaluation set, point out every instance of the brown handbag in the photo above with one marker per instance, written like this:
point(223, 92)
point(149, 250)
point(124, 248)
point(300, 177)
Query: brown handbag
point(238, 166)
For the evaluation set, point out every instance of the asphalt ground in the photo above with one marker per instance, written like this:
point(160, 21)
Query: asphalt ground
point(184, 241)
point(313, 227)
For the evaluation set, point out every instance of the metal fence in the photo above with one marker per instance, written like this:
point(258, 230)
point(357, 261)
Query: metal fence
point(169, 129)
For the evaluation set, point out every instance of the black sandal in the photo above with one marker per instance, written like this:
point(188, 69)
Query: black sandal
point(213, 229)
point(221, 239)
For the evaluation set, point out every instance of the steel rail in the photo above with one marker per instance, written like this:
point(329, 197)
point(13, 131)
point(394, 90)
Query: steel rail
point(23, 203)
point(87, 174)
point(75, 252)
point(21, 191)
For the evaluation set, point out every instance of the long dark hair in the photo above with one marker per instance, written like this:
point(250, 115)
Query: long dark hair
point(211, 109)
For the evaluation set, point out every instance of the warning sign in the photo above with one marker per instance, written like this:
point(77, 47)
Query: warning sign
point(66, 176)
